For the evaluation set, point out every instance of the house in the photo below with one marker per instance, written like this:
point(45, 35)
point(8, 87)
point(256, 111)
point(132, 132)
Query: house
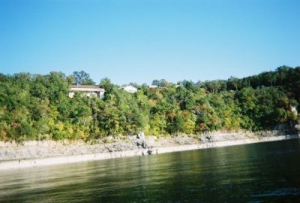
point(153, 86)
point(130, 89)
point(87, 90)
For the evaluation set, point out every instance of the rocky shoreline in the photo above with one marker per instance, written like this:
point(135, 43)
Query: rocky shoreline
point(42, 153)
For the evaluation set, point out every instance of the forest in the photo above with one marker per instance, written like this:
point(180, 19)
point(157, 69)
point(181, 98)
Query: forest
point(37, 107)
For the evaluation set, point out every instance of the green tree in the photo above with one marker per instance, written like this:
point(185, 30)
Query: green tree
point(82, 78)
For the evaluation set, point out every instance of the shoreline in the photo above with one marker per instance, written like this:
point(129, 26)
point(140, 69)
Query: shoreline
point(68, 159)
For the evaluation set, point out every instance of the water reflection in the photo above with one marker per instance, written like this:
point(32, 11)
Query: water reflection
point(266, 172)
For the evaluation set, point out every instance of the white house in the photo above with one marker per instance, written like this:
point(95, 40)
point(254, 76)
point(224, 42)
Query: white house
point(153, 86)
point(87, 90)
point(130, 89)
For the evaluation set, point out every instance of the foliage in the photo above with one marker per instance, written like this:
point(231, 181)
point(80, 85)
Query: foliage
point(34, 107)
point(81, 78)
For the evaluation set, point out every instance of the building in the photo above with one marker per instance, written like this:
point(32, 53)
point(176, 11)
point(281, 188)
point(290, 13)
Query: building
point(130, 89)
point(153, 86)
point(87, 90)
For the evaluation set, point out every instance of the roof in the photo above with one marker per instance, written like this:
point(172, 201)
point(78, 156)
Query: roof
point(130, 88)
point(86, 88)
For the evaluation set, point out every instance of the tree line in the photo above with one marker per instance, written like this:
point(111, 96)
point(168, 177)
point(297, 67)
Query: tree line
point(36, 107)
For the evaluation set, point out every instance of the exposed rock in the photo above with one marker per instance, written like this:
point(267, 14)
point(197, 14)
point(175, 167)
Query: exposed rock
point(147, 145)
point(206, 138)
point(141, 135)
point(141, 141)
point(215, 137)
point(185, 140)
point(297, 125)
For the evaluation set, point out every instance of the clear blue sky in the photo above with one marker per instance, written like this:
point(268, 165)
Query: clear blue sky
point(142, 40)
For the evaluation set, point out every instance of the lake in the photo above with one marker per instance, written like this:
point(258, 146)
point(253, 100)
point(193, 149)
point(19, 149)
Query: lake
point(262, 172)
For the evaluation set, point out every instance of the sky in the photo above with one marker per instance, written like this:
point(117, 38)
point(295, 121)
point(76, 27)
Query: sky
point(143, 40)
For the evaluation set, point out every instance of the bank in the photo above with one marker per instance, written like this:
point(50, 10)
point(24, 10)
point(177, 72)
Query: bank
point(44, 153)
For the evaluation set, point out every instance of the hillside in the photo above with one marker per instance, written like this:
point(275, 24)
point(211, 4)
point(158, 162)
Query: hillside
point(37, 107)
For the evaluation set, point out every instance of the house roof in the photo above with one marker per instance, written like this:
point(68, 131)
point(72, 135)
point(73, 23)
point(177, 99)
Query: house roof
point(130, 88)
point(86, 88)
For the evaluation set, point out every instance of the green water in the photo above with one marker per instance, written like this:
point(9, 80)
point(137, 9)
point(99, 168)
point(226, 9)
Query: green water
point(264, 172)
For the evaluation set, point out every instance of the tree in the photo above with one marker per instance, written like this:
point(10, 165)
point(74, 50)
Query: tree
point(156, 83)
point(233, 83)
point(164, 83)
point(107, 85)
point(82, 78)
point(269, 78)
point(38, 107)
point(282, 73)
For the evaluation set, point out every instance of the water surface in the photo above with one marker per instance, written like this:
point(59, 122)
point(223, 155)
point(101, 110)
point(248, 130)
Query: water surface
point(264, 172)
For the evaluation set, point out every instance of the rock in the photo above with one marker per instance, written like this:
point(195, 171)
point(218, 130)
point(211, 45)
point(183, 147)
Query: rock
point(142, 143)
point(206, 138)
point(141, 135)
point(184, 140)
